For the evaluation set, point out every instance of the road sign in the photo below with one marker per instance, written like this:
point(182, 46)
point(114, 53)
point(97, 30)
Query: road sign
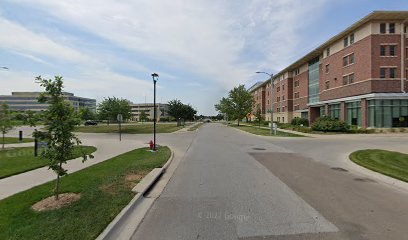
point(119, 118)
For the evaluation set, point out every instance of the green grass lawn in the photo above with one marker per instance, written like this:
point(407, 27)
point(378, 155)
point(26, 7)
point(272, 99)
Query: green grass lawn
point(10, 140)
point(18, 160)
point(104, 190)
point(131, 128)
point(263, 131)
point(393, 164)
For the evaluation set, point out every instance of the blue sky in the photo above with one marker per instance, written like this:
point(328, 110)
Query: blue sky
point(200, 48)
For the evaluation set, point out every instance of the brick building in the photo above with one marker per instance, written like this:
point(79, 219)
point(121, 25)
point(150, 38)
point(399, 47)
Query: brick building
point(359, 76)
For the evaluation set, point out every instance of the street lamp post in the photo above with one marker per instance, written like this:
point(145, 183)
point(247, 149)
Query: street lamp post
point(155, 76)
point(271, 78)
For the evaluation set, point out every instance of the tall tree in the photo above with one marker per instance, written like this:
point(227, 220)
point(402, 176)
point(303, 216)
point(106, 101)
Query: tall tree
point(5, 121)
point(237, 105)
point(59, 120)
point(176, 109)
point(225, 107)
point(109, 109)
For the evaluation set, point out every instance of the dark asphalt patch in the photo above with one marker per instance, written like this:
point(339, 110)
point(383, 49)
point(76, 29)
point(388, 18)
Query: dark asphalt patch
point(259, 149)
point(339, 169)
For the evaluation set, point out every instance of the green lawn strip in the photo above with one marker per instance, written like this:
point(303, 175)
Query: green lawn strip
point(11, 140)
point(104, 192)
point(393, 164)
point(264, 132)
point(18, 160)
point(133, 129)
point(195, 127)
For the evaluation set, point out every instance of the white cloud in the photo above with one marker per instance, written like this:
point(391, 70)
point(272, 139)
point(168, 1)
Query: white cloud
point(206, 37)
point(19, 39)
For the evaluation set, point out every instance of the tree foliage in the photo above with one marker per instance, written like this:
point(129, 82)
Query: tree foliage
point(237, 105)
point(143, 116)
point(5, 121)
point(258, 114)
point(59, 120)
point(86, 114)
point(179, 110)
point(109, 109)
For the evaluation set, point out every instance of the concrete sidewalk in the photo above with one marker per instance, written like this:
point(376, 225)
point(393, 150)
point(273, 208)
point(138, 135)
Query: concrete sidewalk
point(107, 148)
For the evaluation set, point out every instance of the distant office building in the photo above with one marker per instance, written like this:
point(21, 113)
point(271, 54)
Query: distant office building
point(24, 101)
point(137, 108)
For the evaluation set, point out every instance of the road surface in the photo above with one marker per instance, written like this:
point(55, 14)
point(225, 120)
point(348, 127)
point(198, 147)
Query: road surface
point(233, 185)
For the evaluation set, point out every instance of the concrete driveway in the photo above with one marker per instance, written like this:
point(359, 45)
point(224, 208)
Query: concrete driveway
point(233, 185)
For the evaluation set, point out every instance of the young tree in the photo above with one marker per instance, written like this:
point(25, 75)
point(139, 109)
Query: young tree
point(60, 121)
point(109, 109)
point(225, 107)
point(143, 116)
point(258, 114)
point(5, 121)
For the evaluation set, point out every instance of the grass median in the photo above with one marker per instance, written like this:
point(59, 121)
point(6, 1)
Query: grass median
point(105, 189)
point(393, 164)
point(12, 140)
point(18, 160)
point(264, 131)
point(129, 128)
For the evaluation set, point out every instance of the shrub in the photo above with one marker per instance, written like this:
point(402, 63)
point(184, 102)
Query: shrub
point(328, 124)
point(297, 121)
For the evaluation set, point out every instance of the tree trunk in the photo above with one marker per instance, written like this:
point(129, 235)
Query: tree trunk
point(3, 141)
point(259, 123)
point(238, 122)
point(57, 187)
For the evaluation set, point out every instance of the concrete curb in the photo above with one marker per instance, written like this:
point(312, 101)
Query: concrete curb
point(109, 231)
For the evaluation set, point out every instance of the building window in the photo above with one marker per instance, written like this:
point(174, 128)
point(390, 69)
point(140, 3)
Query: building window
point(351, 38)
point(393, 72)
point(283, 87)
point(327, 85)
point(353, 113)
point(278, 99)
point(297, 107)
point(391, 28)
point(297, 83)
point(345, 61)
point(278, 89)
point(296, 94)
point(383, 27)
point(327, 68)
point(382, 72)
point(392, 50)
point(334, 111)
point(382, 50)
point(296, 72)
point(327, 52)
point(283, 109)
point(283, 98)
point(345, 40)
point(351, 58)
point(348, 79)
point(388, 113)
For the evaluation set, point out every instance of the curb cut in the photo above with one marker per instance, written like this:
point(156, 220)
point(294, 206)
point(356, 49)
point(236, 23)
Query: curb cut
point(108, 232)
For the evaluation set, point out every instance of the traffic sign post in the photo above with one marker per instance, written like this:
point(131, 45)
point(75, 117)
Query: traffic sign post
point(120, 119)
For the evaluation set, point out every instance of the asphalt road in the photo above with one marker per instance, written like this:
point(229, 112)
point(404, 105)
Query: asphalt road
point(232, 185)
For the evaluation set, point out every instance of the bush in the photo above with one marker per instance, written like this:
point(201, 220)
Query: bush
point(361, 130)
point(328, 124)
point(297, 121)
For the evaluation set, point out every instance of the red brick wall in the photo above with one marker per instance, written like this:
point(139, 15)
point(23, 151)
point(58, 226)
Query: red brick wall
point(378, 61)
point(361, 69)
point(303, 90)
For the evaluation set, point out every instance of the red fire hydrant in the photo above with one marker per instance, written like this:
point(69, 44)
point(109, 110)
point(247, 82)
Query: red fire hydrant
point(151, 143)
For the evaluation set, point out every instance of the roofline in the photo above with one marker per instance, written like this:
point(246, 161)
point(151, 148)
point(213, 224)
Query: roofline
point(317, 51)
